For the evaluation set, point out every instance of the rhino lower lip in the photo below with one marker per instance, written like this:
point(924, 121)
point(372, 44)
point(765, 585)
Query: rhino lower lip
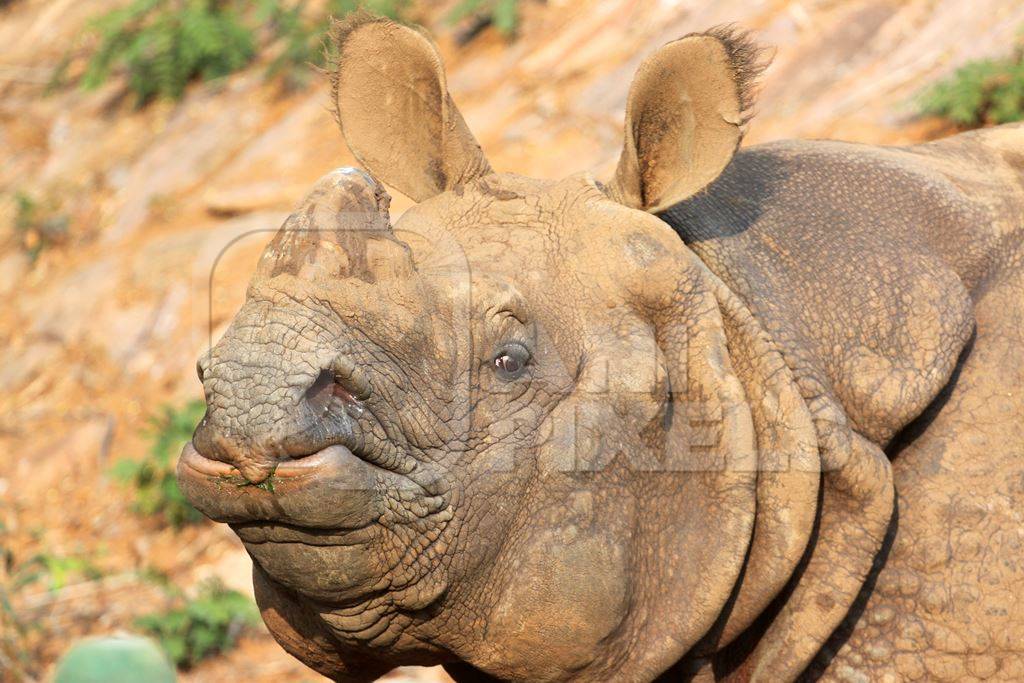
point(267, 532)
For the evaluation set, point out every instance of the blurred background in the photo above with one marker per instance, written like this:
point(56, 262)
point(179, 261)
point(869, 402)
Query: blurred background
point(149, 148)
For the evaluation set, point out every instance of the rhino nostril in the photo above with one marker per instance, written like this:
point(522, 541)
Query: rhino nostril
point(321, 392)
point(329, 384)
point(201, 366)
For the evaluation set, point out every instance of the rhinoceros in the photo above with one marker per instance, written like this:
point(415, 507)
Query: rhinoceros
point(749, 414)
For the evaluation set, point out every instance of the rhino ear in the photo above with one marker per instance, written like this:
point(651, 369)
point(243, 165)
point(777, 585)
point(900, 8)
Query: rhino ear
point(394, 109)
point(685, 116)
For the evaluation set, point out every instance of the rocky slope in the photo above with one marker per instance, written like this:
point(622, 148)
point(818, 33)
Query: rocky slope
point(168, 207)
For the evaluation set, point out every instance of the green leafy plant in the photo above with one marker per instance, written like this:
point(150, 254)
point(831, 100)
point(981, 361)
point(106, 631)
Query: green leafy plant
point(38, 225)
point(502, 14)
point(164, 45)
point(989, 91)
point(208, 624)
point(153, 477)
point(55, 569)
point(299, 33)
point(299, 41)
point(17, 654)
point(14, 654)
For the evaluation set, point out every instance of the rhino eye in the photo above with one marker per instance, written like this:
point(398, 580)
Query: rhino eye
point(510, 361)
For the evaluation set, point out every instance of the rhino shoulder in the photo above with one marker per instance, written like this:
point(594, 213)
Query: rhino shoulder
point(859, 260)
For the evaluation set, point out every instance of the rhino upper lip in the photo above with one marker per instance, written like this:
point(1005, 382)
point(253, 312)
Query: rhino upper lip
point(290, 469)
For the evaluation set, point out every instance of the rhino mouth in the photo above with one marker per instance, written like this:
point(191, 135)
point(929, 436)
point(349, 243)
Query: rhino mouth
point(323, 492)
point(325, 472)
point(330, 489)
point(309, 525)
point(328, 443)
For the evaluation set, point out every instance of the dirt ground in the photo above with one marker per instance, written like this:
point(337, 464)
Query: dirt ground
point(168, 207)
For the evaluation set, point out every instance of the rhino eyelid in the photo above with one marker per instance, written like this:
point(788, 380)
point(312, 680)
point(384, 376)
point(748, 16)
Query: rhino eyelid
point(507, 305)
point(514, 345)
point(518, 317)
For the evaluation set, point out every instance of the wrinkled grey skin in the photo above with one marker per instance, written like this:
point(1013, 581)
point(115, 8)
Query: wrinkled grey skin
point(694, 472)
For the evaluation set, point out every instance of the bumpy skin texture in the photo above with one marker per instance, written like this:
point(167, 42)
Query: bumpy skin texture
point(928, 237)
point(948, 603)
point(533, 432)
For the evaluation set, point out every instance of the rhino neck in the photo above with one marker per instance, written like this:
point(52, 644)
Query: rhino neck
point(823, 242)
point(814, 470)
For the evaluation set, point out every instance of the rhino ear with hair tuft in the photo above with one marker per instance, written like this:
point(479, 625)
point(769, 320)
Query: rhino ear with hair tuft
point(391, 101)
point(685, 116)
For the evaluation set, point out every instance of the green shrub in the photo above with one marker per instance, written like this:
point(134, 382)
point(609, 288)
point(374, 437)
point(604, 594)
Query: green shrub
point(15, 653)
point(206, 625)
point(299, 34)
point(38, 225)
point(299, 41)
point(55, 569)
point(502, 14)
point(153, 477)
point(164, 45)
point(18, 635)
point(989, 91)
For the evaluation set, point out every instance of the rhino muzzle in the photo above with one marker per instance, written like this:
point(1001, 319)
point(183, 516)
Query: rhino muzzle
point(273, 417)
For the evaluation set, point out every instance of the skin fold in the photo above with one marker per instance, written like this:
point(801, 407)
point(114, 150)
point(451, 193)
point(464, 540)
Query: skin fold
point(739, 415)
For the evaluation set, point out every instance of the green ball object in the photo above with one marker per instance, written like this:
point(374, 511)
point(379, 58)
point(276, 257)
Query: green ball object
point(115, 659)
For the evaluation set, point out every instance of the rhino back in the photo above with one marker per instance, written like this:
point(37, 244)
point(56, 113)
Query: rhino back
point(956, 198)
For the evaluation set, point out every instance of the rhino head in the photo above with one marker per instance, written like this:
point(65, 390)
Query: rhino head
point(523, 431)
